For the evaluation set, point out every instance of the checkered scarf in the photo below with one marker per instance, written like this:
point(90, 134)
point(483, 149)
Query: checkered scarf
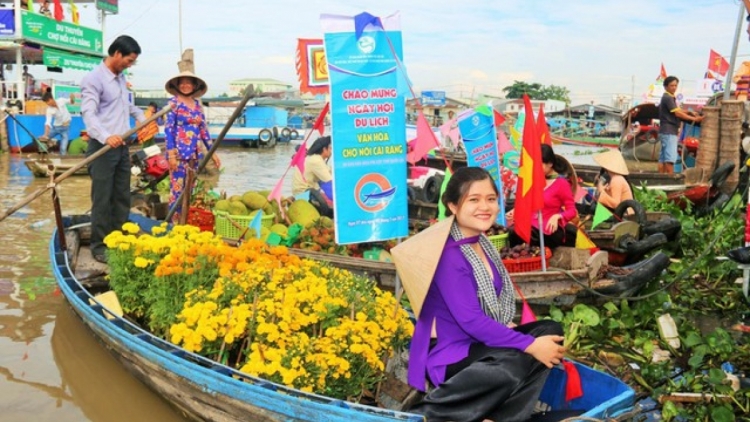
point(500, 308)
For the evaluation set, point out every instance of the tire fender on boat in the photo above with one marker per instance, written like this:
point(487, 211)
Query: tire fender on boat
point(431, 190)
point(640, 213)
point(265, 136)
point(721, 174)
point(294, 134)
point(285, 132)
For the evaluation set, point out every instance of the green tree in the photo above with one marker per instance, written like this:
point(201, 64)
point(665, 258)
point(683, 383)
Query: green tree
point(519, 88)
point(537, 91)
point(554, 92)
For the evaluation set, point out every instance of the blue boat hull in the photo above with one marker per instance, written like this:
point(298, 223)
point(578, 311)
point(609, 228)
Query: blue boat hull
point(206, 390)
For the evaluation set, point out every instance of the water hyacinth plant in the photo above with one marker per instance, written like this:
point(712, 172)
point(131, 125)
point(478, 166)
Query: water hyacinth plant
point(298, 322)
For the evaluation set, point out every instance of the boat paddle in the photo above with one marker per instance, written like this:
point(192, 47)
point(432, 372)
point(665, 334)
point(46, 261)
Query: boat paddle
point(249, 93)
point(86, 161)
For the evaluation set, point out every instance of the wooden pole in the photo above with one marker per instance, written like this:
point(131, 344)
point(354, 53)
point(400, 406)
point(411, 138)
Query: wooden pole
point(249, 93)
point(72, 170)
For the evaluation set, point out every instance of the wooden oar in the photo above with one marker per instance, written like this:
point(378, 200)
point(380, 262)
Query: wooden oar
point(75, 168)
point(249, 93)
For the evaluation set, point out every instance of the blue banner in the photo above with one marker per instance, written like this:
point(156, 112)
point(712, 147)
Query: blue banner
point(480, 140)
point(433, 98)
point(368, 120)
point(7, 23)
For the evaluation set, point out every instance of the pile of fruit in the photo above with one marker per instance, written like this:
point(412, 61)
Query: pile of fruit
point(495, 230)
point(520, 251)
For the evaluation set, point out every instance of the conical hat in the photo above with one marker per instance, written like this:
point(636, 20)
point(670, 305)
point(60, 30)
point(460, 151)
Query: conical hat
point(612, 160)
point(417, 259)
point(200, 84)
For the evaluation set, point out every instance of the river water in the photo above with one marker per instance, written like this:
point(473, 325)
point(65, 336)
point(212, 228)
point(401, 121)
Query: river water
point(51, 367)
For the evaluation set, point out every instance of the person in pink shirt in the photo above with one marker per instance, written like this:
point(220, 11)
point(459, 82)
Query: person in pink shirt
point(559, 204)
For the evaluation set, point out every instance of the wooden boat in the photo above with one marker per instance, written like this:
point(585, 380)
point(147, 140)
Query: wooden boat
point(41, 167)
point(585, 141)
point(206, 390)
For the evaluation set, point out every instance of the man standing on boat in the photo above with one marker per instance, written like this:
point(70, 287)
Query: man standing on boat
point(670, 116)
point(106, 107)
point(57, 122)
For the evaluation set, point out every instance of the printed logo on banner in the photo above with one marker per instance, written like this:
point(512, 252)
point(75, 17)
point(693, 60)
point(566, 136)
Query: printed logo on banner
point(373, 192)
point(366, 44)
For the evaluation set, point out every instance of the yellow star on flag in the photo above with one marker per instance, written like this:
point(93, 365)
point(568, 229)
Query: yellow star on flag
point(526, 172)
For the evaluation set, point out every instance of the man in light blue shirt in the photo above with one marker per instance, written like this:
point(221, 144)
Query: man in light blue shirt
point(106, 110)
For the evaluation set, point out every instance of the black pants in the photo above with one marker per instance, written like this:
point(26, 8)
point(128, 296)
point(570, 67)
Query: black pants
point(500, 384)
point(564, 236)
point(110, 192)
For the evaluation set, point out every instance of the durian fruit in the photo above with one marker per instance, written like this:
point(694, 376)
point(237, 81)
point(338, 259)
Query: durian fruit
point(264, 232)
point(268, 209)
point(303, 213)
point(237, 208)
point(280, 229)
point(235, 198)
point(222, 205)
point(254, 200)
point(264, 193)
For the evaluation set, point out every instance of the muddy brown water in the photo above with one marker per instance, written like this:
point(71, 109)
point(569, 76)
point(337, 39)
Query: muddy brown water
point(51, 367)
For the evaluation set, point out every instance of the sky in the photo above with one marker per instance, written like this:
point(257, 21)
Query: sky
point(595, 48)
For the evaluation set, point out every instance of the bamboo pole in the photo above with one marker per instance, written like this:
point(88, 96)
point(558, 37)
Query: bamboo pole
point(78, 166)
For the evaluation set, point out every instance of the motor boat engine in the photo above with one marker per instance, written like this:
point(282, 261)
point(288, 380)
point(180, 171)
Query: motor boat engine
point(150, 166)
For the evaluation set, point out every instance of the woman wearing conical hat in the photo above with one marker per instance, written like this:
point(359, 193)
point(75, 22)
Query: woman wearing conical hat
point(184, 129)
point(482, 364)
point(612, 187)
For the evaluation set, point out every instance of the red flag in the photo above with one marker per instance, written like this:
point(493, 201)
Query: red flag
point(717, 63)
point(58, 12)
point(319, 124)
point(499, 118)
point(424, 142)
point(530, 176)
point(542, 129)
point(573, 388)
point(662, 73)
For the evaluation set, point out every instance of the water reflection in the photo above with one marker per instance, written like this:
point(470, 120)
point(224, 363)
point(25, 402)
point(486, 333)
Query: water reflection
point(51, 367)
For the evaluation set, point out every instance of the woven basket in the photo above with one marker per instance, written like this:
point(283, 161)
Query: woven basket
point(226, 229)
point(499, 240)
point(196, 216)
point(523, 265)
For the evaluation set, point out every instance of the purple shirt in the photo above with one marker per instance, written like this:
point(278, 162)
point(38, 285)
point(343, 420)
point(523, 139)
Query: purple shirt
point(105, 104)
point(453, 304)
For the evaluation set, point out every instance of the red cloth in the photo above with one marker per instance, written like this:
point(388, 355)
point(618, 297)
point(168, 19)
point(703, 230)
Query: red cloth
point(573, 388)
point(542, 129)
point(319, 124)
point(530, 177)
point(58, 11)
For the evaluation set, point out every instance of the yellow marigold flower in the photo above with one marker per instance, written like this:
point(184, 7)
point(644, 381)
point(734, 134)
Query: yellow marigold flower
point(142, 262)
point(131, 228)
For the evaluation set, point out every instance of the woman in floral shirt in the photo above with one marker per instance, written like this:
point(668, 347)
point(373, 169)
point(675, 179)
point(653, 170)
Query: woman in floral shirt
point(185, 128)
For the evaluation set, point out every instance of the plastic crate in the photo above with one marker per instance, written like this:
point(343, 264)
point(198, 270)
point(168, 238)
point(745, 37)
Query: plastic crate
point(203, 219)
point(499, 240)
point(523, 265)
point(225, 228)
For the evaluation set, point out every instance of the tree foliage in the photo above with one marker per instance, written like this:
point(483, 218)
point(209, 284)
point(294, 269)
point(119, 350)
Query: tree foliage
point(537, 91)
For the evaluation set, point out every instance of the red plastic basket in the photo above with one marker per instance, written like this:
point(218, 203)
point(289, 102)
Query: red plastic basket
point(203, 219)
point(523, 265)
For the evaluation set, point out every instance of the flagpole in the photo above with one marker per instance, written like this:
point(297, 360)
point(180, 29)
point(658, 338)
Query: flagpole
point(733, 58)
point(541, 241)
